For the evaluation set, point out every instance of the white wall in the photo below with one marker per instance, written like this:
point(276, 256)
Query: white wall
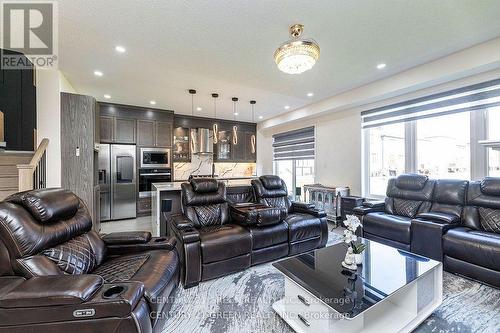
point(338, 149)
point(49, 84)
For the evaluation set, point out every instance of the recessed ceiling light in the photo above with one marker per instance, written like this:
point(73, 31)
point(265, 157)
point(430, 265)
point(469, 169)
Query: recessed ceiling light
point(287, 107)
point(98, 73)
point(120, 49)
point(152, 102)
point(107, 96)
point(310, 94)
point(381, 66)
point(260, 117)
point(199, 108)
point(236, 113)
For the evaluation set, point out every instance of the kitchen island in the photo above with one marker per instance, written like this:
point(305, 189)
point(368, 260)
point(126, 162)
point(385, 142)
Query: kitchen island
point(166, 198)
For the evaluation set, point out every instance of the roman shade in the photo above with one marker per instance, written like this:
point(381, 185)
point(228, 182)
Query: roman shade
point(470, 98)
point(297, 144)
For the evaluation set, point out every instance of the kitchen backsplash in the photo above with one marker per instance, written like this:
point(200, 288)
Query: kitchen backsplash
point(202, 165)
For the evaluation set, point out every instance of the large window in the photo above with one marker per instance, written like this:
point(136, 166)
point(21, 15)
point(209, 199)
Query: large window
point(494, 134)
point(443, 146)
point(454, 134)
point(294, 160)
point(387, 155)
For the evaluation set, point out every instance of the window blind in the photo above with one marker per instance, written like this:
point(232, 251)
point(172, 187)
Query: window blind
point(474, 97)
point(297, 144)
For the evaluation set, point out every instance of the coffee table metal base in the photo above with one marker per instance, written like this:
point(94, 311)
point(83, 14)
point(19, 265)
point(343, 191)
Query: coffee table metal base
point(402, 311)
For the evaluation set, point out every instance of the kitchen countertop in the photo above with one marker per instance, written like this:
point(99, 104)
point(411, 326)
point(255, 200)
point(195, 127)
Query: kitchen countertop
point(176, 186)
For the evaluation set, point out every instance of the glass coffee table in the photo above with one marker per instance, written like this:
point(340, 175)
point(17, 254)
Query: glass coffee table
point(392, 291)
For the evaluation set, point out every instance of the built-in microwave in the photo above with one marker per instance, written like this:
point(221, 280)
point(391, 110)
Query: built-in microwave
point(155, 158)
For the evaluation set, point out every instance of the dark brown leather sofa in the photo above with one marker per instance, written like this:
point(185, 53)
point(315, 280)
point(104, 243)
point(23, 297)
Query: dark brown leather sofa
point(57, 275)
point(212, 244)
point(453, 221)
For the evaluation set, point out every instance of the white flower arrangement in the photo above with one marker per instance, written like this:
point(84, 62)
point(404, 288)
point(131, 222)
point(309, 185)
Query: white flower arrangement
point(352, 224)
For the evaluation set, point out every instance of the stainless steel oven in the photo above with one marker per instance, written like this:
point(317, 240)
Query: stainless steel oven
point(155, 158)
point(147, 177)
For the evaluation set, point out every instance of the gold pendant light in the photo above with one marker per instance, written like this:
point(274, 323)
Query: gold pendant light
point(252, 138)
point(235, 128)
point(297, 55)
point(215, 127)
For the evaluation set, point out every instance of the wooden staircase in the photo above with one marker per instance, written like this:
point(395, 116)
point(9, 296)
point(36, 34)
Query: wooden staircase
point(9, 175)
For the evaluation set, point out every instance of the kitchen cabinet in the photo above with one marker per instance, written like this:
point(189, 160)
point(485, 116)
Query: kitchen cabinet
point(163, 134)
point(154, 133)
point(117, 130)
point(145, 133)
point(182, 145)
point(239, 149)
point(124, 130)
point(106, 129)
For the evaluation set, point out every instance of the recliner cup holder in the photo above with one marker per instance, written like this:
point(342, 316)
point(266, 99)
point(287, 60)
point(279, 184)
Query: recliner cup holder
point(160, 240)
point(114, 291)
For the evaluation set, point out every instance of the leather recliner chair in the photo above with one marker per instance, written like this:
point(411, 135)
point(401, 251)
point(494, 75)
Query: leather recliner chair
point(57, 275)
point(390, 223)
point(307, 226)
point(473, 249)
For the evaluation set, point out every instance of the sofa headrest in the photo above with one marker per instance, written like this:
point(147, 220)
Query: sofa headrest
point(204, 185)
point(271, 182)
point(411, 182)
point(192, 198)
point(491, 186)
point(48, 205)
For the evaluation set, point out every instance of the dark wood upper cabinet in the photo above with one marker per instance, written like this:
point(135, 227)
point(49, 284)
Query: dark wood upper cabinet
point(145, 133)
point(124, 130)
point(239, 147)
point(163, 134)
point(106, 129)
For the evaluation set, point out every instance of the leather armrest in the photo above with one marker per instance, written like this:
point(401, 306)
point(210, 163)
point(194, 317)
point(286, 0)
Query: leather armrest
point(184, 229)
point(132, 237)
point(362, 210)
point(154, 243)
point(374, 204)
point(439, 217)
point(427, 235)
point(307, 208)
point(52, 290)
point(302, 205)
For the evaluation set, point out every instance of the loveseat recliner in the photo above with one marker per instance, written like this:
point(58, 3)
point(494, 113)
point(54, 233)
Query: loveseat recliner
point(212, 242)
point(57, 275)
point(453, 221)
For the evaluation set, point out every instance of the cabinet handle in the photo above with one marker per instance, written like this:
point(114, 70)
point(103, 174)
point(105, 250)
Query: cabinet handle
point(303, 300)
point(304, 320)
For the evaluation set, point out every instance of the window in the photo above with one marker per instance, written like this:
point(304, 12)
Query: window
point(294, 160)
point(387, 155)
point(443, 146)
point(454, 134)
point(494, 134)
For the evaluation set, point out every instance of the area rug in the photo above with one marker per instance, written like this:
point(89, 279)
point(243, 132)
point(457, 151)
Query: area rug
point(241, 303)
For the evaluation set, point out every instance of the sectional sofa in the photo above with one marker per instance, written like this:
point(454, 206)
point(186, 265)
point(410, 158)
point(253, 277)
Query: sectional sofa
point(453, 221)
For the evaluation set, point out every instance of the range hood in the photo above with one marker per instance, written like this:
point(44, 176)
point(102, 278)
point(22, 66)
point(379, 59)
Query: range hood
point(202, 141)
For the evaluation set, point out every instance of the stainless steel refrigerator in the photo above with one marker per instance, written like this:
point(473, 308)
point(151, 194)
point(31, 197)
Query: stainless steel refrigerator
point(117, 179)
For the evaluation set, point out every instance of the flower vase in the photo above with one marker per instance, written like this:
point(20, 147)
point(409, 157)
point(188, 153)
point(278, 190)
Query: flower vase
point(358, 257)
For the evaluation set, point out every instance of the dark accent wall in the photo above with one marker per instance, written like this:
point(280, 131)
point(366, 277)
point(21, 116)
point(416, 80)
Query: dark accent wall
point(18, 103)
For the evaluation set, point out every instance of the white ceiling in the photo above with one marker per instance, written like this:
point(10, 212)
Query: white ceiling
point(227, 46)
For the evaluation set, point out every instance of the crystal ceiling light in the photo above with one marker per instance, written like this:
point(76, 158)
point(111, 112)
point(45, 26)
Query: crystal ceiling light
point(296, 55)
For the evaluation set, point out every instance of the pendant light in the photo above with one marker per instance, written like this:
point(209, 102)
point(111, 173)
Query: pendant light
point(215, 126)
point(253, 140)
point(235, 128)
point(193, 132)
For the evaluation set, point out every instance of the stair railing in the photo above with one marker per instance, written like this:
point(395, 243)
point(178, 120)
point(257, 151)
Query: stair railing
point(34, 174)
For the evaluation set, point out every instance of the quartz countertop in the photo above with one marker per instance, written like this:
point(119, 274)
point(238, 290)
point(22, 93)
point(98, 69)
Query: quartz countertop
point(176, 186)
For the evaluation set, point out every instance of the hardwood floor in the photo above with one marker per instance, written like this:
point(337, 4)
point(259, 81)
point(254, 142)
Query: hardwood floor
point(138, 224)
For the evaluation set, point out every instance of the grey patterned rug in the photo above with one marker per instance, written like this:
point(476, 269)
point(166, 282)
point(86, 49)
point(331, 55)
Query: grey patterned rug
point(242, 302)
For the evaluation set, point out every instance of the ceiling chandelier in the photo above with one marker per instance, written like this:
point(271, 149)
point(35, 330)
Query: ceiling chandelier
point(296, 55)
